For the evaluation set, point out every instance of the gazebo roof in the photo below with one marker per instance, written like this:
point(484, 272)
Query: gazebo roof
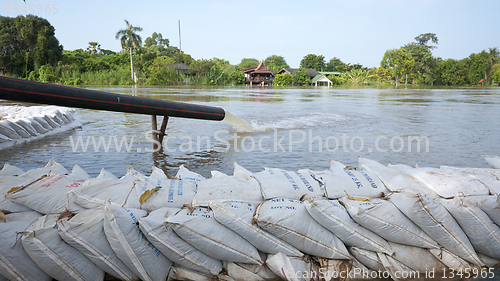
point(261, 68)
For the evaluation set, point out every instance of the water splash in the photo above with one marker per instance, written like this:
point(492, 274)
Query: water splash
point(239, 124)
point(297, 122)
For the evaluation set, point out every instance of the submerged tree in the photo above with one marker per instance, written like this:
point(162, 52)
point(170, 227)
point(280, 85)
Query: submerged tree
point(398, 62)
point(130, 39)
point(276, 63)
point(27, 43)
point(316, 62)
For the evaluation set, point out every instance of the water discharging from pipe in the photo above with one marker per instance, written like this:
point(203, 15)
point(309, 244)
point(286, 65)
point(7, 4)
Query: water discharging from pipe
point(239, 124)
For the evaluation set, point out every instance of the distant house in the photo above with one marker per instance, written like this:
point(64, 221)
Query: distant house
point(258, 75)
point(317, 78)
point(179, 67)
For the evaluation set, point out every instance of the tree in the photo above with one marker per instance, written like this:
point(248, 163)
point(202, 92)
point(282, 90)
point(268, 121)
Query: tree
point(313, 61)
point(301, 77)
point(248, 62)
point(275, 63)
point(335, 64)
point(493, 58)
point(156, 40)
point(282, 80)
point(496, 74)
point(398, 62)
point(94, 47)
point(477, 66)
point(182, 58)
point(27, 43)
point(200, 67)
point(130, 39)
point(424, 38)
point(423, 60)
point(237, 77)
point(425, 65)
point(453, 72)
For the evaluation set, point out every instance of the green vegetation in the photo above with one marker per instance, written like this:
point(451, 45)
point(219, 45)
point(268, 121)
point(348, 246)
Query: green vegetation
point(30, 50)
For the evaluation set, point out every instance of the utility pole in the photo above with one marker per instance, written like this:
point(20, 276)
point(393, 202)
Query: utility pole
point(180, 45)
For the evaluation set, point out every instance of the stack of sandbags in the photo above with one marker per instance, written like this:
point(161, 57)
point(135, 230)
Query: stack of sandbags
point(345, 223)
point(19, 124)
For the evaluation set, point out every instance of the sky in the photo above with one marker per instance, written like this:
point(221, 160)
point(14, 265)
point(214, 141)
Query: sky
point(355, 31)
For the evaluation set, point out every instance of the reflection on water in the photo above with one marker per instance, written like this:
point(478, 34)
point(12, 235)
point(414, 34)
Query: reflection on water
point(461, 125)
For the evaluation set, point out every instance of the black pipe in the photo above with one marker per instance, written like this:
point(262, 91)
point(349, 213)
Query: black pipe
point(36, 92)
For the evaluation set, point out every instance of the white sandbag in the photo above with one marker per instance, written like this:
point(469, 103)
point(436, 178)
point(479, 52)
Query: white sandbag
point(334, 217)
point(289, 220)
point(393, 179)
point(241, 186)
point(277, 183)
point(446, 185)
point(490, 204)
point(368, 258)
point(5, 141)
point(13, 183)
point(437, 222)
point(51, 122)
point(172, 246)
point(131, 246)
point(15, 264)
point(43, 123)
point(493, 161)
point(8, 131)
point(483, 234)
point(18, 128)
point(200, 229)
point(157, 191)
point(48, 195)
point(396, 269)
point(331, 270)
point(238, 271)
point(490, 177)
point(179, 273)
point(385, 219)
point(23, 122)
point(6, 184)
point(237, 216)
point(54, 256)
point(416, 258)
point(452, 261)
point(92, 194)
point(37, 126)
point(184, 174)
point(85, 232)
point(489, 261)
point(283, 267)
point(9, 170)
point(338, 181)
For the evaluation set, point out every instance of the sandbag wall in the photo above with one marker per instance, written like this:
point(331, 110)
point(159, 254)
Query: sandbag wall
point(19, 124)
point(343, 223)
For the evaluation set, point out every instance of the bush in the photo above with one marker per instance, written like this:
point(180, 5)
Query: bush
point(237, 77)
point(336, 80)
point(301, 77)
point(282, 80)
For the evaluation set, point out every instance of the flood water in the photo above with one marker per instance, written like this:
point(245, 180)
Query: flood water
point(290, 129)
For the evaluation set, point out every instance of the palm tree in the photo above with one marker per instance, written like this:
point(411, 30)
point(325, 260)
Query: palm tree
point(493, 58)
point(130, 39)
